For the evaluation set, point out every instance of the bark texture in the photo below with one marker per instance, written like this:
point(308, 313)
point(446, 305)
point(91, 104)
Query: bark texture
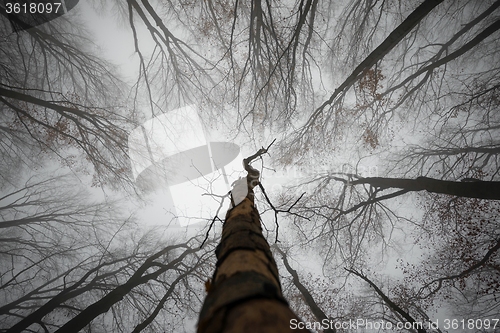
point(245, 292)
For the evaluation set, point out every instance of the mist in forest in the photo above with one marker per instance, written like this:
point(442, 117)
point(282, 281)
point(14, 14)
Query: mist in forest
point(361, 137)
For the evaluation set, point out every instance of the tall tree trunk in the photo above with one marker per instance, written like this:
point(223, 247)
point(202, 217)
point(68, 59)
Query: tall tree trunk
point(245, 292)
point(469, 188)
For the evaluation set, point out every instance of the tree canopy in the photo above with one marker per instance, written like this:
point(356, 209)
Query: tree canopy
point(379, 192)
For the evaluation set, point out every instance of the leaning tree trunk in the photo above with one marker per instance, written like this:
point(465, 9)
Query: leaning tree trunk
point(245, 292)
point(306, 295)
point(469, 188)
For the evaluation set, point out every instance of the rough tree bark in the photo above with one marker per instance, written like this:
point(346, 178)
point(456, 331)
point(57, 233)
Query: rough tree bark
point(245, 292)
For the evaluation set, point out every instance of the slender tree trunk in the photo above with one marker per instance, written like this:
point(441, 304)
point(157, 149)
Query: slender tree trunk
point(403, 29)
point(393, 306)
point(116, 295)
point(469, 189)
point(308, 298)
point(245, 292)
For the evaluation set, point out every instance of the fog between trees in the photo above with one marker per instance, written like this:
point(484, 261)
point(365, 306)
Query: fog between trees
point(407, 91)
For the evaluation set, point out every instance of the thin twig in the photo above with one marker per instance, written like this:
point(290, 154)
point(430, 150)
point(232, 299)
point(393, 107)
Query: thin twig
point(216, 217)
point(276, 211)
point(254, 174)
point(252, 181)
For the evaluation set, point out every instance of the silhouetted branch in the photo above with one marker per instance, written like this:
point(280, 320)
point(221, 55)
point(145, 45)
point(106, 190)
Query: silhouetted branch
point(393, 306)
point(316, 310)
point(464, 273)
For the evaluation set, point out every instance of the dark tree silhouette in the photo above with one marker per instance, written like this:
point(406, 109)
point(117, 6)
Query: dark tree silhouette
point(409, 88)
point(245, 290)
